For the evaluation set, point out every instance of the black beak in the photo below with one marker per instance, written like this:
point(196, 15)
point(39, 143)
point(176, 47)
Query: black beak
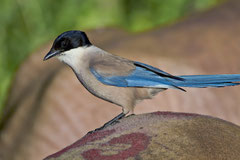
point(51, 54)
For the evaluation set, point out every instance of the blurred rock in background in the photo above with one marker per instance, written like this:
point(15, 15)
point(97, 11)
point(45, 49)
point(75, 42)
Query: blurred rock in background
point(49, 109)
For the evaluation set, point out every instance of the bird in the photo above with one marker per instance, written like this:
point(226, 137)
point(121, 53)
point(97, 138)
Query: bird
point(119, 80)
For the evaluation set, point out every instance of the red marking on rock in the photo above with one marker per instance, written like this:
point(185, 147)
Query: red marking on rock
point(87, 138)
point(175, 114)
point(138, 142)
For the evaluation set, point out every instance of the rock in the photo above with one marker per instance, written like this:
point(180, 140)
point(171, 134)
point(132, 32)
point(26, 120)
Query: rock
point(158, 135)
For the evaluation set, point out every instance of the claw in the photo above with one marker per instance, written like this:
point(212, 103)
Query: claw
point(111, 122)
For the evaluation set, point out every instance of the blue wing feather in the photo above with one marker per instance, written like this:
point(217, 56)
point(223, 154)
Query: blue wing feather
point(156, 70)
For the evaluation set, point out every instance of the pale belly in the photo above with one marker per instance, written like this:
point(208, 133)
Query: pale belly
point(125, 97)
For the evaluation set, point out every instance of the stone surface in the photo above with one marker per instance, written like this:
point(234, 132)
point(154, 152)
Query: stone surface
point(156, 136)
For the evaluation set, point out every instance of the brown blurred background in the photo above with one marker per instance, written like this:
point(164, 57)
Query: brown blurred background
point(48, 109)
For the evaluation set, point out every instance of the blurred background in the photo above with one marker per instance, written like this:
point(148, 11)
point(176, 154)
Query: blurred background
point(43, 107)
point(26, 25)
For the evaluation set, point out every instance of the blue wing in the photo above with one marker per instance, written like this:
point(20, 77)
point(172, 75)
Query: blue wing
point(143, 76)
point(147, 76)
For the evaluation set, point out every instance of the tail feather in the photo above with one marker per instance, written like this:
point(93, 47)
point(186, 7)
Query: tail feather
point(202, 81)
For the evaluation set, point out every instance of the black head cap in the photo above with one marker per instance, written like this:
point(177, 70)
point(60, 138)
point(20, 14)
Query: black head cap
point(68, 40)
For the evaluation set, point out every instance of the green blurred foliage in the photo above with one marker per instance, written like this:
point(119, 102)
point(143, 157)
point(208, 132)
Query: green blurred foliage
point(27, 24)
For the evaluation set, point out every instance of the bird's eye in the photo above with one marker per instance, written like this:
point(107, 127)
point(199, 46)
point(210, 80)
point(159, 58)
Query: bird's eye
point(64, 44)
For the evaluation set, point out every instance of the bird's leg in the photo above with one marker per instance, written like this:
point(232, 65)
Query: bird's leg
point(112, 121)
point(130, 112)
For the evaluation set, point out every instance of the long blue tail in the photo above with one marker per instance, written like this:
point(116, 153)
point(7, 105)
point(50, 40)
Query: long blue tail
point(202, 81)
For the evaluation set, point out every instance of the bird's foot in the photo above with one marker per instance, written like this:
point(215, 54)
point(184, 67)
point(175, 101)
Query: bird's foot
point(104, 126)
point(97, 129)
point(111, 122)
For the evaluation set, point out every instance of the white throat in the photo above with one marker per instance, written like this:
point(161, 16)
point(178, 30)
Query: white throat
point(72, 56)
point(77, 56)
